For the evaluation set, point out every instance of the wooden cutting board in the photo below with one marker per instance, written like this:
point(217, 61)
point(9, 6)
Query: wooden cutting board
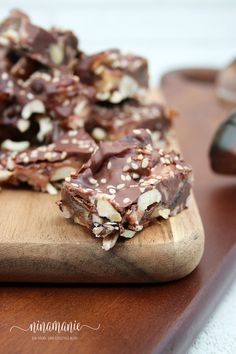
point(149, 318)
point(38, 244)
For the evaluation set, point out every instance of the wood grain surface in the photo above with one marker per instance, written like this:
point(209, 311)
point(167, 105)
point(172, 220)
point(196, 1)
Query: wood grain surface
point(38, 244)
point(148, 318)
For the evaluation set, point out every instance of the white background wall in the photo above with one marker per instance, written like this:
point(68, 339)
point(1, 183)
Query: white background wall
point(170, 33)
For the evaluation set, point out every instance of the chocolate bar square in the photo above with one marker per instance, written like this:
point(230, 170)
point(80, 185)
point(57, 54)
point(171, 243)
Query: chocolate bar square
point(125, 186)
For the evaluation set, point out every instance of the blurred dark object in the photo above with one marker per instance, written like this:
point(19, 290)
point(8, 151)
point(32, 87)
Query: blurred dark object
point(223, 148)
point(226, 84)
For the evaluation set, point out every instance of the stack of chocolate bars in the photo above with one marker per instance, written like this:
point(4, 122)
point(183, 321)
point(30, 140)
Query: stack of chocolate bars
point(85, 119)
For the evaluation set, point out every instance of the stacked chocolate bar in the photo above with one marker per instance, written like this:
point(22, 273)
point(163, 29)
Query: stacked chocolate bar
point(57, 103)
point(43, 166)
point(125, 186)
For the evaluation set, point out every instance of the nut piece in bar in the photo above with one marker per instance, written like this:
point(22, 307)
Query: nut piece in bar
point(12, 126)
point(43, 167)
point(53, 48)
point(114, 75)
point(31, 109)
point(62, 95)
point(112, 122)
point(125, 186)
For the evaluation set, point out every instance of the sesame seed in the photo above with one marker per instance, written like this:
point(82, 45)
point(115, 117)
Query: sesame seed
point(54, 155)
point(140, 157)
point(22, 155)
point(72, 133)
point(112, 191)
point(34, 154)
point(145, 163)
point(134, 166)
point(74, 184)
point(103, 180)
point(120, 186)
point(135, 176)
point(26, 159)
point(149, 147)
point(128, 178)
point(150, 181)
point(50, 147)
point(48, 156)
point(42, 148)
point(129, 159)
point(66, 103)
point(92, 180)
point(137, 132)
point(30, 96)
point(125, 168)
point(162, 159)
point(4, 76)
point(126, 200)
point(179, 167)
point(109, 165)
point(63, 155)
point(123, 177)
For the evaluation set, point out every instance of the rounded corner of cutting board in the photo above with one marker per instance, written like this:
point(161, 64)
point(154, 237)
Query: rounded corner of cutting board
point(187, 253)
point(167, 251)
